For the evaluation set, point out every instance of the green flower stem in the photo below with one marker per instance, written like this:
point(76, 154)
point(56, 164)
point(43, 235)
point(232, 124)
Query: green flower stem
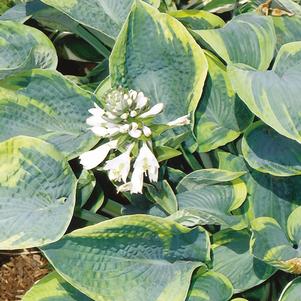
point(86, 215)
point(112, 208)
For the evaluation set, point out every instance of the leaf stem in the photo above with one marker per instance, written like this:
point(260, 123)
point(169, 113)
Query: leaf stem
point(206, 160)
point(91, 39)
point(191, 160)
point(89, 216)
point(112, 208)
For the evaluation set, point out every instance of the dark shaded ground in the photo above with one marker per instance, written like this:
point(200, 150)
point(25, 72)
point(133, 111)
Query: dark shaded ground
point(19, 270)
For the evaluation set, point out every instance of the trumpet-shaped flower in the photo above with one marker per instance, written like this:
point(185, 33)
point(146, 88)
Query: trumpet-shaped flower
point(155, 110)
point(96, 111)
point(127, 118)
point(124, 187)
point(146, 131)
point(184, 120)
point(119, 167)
point(141, 101)
point(146, 162)
point(93, 158)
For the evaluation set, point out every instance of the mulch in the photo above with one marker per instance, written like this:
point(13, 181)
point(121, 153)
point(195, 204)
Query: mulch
point(19, 270)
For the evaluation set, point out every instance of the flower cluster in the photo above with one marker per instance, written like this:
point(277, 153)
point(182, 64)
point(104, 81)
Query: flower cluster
point(127, 122)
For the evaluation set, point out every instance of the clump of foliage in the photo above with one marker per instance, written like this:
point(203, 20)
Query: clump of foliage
point(186, 120)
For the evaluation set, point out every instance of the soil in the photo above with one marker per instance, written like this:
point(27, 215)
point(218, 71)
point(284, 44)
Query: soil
point(19, 270)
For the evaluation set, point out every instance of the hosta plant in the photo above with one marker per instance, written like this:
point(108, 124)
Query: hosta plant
point(151, 150)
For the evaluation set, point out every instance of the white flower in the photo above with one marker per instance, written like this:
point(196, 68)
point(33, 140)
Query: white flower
point(111, 115)
point(137, 180)
point(113, 131)
point(146, 131)
point(99, 131)
point(96, 118)
point(155, 110)
point(124, 128)
point(184, 120)
point(97, 110)
point(146, 162)
point(133, 114)
point(124, 116)
point(141, 101)
point(134, 125)
point(119, 167)
point(94, 157)
point(133, 94)
point(124, 187)
point(105, 132)
point(96, 121)
point(135, 133)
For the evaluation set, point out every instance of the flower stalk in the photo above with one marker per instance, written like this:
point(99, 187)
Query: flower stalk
point(127, 122)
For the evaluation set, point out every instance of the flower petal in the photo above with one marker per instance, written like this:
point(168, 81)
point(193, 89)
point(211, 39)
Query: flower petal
point(99, 131)
point(137, 180)
point(155, 110)
point(93, 158)
point(96, 120)
point(141, 101)
point(184, 120)
point(135, 133)
point(119, 167)
point(124, 187)
point(113, 131)
point(146, 131)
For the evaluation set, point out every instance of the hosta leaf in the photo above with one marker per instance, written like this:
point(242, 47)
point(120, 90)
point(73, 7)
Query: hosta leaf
point(205, 177)
point(16, 13)
point(249, 39)
point(131, 258)
point(85, 185)
point(221, 116)
point(292, 291)
point(54, 288)
point(287, 29)
point(5, 5)
point(37, 189)
point(230, 162)
point(174, 175)
point(281, 195)
point(198, 19)
point(43, 104)
point(210, 286)
point(219, 6)
point(269, 152)
point(231, 257)
point(271, 244)
point(24, 10)
point(24, 48)
point(264, 91)
point(105, 16)
point(165, 152)
point(294, 226)
point(162, 194)
point(212, 205)
point(155, 53)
